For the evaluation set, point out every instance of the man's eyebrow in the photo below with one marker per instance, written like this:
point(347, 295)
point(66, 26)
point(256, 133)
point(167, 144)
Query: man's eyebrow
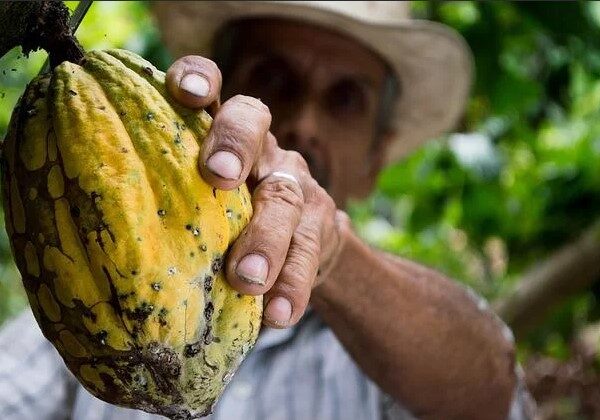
point(366, 82)
point(362, 81)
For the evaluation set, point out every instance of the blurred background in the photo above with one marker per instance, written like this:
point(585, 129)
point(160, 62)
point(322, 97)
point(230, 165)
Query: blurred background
point(509, 203)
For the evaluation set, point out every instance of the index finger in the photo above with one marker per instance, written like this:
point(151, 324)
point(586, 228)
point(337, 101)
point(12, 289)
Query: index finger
point(194, 81)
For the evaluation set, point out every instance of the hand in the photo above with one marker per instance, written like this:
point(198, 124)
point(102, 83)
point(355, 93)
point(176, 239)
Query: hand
point(295, 229)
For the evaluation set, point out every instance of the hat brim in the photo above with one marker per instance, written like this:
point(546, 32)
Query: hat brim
point(432, 62)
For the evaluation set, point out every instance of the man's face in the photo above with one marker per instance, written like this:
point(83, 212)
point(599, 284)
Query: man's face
point(323, 90)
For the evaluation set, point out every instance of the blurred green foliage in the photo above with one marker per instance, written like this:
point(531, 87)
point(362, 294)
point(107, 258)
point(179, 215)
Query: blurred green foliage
point(524, 178)
point(517, 179)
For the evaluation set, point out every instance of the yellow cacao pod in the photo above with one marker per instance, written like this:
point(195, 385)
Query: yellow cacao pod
point(120, 242)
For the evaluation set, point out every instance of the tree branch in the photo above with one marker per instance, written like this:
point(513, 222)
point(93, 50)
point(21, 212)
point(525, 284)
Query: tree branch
point(566, 272)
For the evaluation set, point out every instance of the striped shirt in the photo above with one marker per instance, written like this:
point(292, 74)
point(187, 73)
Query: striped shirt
point(293, 374)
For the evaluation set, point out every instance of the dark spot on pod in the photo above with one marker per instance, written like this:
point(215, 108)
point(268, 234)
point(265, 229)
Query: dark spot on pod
point(162, 314)
point(203, 247)
point(148, 71)
point(177, 138)
point(2, 95)
point(101, 337)
point(13, 69)
point(188, 227)
point(101, 107)
point(216, 340)
point(208, 311)
point(197, 207)
point(164, 151)
point(239, 216)
point(141, 313)
point(215, 192)
point(163, 360)
point(234, 325)
point(192, 349)
point(95, 196)
point(75, 212)
point(161, 212)
point(122, 113)
point(149, 116)
point(139, 239)
point(135, 331)
point(192, 254)
point(31, 112)
point(156, 286)
point(207, 338)
point(134, 272)
point(217, 264)
point(84, 310)
point(239, 295)
point(183, 127)
point(72, 92)
point(124, 150)
point(109, 383)
point(208, 281)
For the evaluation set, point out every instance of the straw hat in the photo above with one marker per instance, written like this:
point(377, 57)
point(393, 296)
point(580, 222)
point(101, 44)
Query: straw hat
point(431, 61)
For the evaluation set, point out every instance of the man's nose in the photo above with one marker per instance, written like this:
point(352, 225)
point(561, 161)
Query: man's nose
point(299, 131)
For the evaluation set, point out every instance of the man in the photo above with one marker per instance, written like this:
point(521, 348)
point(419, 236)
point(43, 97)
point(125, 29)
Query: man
point(334, 90)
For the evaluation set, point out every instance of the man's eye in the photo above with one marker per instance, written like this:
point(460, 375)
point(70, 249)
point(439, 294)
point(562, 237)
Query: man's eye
point(271, 80)
point(346, 98)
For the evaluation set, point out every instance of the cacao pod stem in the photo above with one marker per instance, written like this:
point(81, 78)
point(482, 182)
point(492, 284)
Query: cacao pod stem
point(34, 25)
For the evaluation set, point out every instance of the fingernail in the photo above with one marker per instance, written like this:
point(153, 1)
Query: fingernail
point(279, 310)
point(253, 268)
point(225, 164)
point(195, 84)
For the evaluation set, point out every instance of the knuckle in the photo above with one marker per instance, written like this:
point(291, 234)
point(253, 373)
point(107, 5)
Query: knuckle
point(296, 159)
point(254, 104)
point(197, 61)
point(316, 194)
point(271, 143)
point(295, 279)
point(308, 239)
point(234, 132)
point(326, 200)
point(282, 191)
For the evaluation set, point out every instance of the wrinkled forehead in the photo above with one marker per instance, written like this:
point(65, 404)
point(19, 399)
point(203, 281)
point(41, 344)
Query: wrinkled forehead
point(302, 44)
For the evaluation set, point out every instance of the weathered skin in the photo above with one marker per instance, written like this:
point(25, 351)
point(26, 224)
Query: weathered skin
point(119, 240)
